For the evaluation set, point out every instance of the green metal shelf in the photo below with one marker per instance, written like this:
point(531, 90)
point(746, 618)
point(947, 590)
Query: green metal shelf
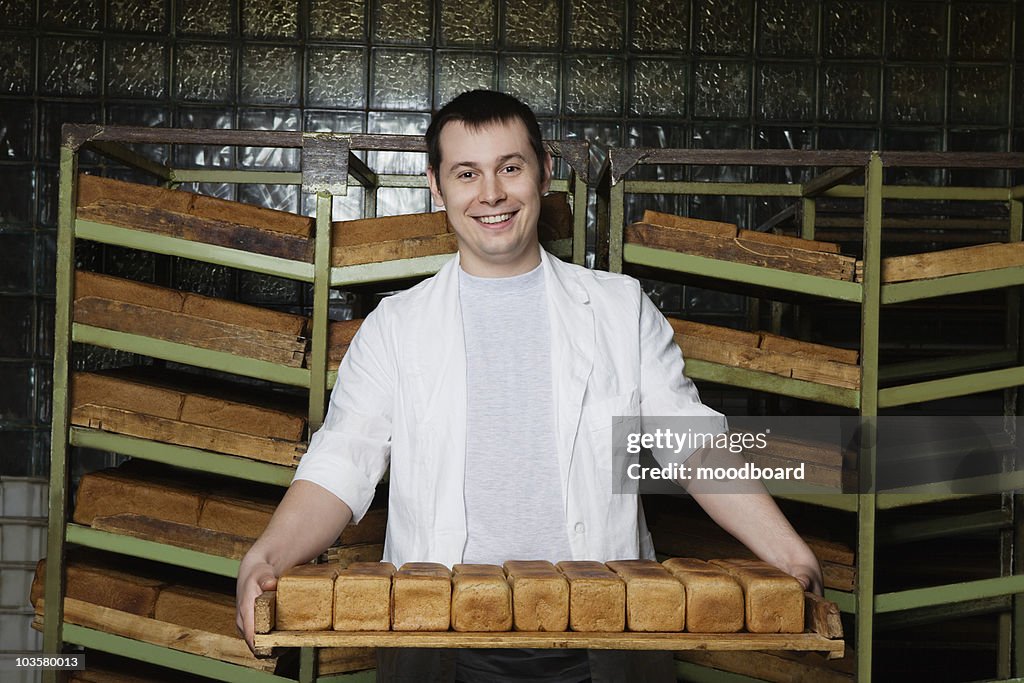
point(962, 385)
point(190, 355)
point(387, 270)
point(183, 456)
point(151, 550)
point(162, 656)
point(915, 290)
point(196, 251)
point(776, 384)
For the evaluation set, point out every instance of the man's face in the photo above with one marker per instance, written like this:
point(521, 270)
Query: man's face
point(490, 182)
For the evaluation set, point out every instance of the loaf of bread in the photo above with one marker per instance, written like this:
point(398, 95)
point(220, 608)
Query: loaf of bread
point(597, 597)
point(714, 601)
point(305, 598)
point(481, 598)
point(540, 596)
point(655, 600)
point(421, 597)
point(774, 600)
point(197, 608)
point(362, 597)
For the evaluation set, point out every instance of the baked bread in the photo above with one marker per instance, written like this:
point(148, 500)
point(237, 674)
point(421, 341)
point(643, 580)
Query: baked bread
point(714, 601)
point(655, 600)
point(362, 597)
point(305, 598)
point(421, 597)
point(540, 596)
point(597, 597)
point(481, 598)
point(774, 600)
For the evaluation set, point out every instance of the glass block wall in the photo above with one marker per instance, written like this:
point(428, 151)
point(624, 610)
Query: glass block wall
point(937, 75)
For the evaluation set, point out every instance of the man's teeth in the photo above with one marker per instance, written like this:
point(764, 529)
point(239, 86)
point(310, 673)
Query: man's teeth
point(490, 220)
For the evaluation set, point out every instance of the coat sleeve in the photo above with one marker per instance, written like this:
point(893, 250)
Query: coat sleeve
point(668, 398)
point(350, 452)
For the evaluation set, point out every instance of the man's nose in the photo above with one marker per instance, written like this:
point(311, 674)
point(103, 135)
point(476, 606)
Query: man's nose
point(491, 190)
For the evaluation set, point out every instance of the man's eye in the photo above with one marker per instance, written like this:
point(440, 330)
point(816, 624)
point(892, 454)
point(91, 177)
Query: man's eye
point(465, 175)
point(511, 169)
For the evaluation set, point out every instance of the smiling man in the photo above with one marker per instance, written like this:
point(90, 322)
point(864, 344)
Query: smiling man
point(489, 389)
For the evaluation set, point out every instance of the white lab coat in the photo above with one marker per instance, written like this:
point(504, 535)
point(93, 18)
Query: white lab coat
point(401, 393)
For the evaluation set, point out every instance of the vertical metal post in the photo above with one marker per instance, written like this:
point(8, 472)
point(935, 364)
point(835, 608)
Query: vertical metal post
point(616, 225)
point(808, 215)
point(579, 220)
point(321, 295)
point(53, 594)
point(866, 502)
point(1015, 333)
point(307, 665)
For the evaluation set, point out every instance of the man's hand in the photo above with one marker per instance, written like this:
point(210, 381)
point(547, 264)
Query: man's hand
point(254, 577)
point(807, 571)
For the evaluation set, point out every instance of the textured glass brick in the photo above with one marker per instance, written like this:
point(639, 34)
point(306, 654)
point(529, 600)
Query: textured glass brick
point(398, 201)
point(401, 79)
point(43, 375)
point(397, 123)
point(143, 114)
point(218, 190)
point(660, 134)
point(16, 452)
point(17, 198)
point(721, 90)
point(402, 22)
point(53, 115)
point(47, 190)
point(204, 72)
point(1018, 115)
point(269, 158)
point(270, 75)
point(338, 19)
point(17, 400)
point(45, 319)
point(98, 358)
point(715, 136)
point(468, 22)
point(16, 58)
point(596, 24)
point(710, 301)
point(660, 25)
point(279, 197)
point(916, 30)
point(16, 13)
point(593, 85)
point(256, 288)
point(850, 93)
point(337, 77)
point(270, 18)
point(69, 66)
point(981, 31)
point(787, 28)
point(72, 14)
point(194, 156)
point(18, 314)
point(137, 16)
point(131, 264)
point(347, 207)
point(977, 141)
point(458, 72)
point(912, 140)
point(334, 121)
point(847, 138)
point(772, 137)
point(17, 131)
point(853, 28)
point(136, 69)
point(533, 23)
point(785, 92)
point(658, 87)
point(914, 94)
point(206, 17)
point(16, 262)
point(203, 278)
point(46, 261)
point(979, 95)
point(534, 79)
point(723, 27)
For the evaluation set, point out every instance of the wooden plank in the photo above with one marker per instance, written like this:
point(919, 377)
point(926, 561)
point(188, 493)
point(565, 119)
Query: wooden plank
point(371, 528)
point(180, 433)
point(165, 298)
point(817, 452)
point(715, 332)
point(769, 666)
point(345, 555)
point(182, 638)
point(556, 221)
point(93, 388)
point(822, 616)
point(110, 492)
point(668, 220)
point(236, 515)
point(250, 419)
point(834, 266)
point(787, 241)
point(935, 264)
point(339, 336)
point(176, 534)
point(393, 250)
point(339, 660)
point(101, 584)
point(549, 640)
point(368, 231)
point(821, 475)
point(192, 331)
point(795, 347)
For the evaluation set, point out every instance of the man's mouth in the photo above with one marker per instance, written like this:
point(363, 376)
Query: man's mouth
point(493, 220)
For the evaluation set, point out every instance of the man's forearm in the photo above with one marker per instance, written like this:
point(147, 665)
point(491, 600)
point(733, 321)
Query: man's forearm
point(307, 521)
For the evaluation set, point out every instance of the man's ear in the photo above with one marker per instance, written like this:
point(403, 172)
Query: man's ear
point(435, 189)
point(546, 169)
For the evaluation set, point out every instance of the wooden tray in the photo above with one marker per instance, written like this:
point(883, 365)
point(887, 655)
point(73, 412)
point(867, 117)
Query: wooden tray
point(824, 634)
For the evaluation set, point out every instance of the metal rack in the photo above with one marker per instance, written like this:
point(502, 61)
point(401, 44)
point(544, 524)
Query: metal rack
point(330, 166)
point(970, 374)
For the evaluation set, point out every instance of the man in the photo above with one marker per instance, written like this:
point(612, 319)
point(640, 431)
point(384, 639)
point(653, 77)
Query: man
point(490, 390)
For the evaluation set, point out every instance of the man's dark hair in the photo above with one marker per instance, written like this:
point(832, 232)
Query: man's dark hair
point(477, 109)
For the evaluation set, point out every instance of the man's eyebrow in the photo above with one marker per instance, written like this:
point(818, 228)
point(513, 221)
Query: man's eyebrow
point(501, 160)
